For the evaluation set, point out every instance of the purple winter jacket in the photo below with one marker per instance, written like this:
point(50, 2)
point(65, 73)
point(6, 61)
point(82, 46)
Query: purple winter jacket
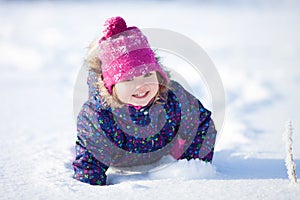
point(178, 125)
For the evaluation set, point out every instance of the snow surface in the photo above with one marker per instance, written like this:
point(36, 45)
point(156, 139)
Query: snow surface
point(254, 45)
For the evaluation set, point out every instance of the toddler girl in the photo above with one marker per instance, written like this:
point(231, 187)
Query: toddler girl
point(135, 114)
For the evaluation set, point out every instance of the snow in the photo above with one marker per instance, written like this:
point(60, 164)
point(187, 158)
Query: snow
point(254, 45)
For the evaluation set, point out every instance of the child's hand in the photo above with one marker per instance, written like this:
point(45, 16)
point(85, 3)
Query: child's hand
point(177, 150)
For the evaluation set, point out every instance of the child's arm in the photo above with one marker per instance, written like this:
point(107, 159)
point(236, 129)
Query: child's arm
point(207, 134)
point(86, 167)
point(199, 141)
point(202, 146)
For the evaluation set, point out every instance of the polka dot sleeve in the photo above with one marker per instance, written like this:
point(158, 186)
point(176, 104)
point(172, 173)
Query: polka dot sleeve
point(87, 168)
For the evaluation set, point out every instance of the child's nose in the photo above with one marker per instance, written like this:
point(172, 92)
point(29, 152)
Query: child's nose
point(140, 84)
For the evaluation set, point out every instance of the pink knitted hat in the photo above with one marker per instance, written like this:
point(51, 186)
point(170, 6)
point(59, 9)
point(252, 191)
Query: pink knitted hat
point(125, 53)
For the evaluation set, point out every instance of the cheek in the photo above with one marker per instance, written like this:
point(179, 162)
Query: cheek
point(123, 92)
point(155, 87)
point(155, 83)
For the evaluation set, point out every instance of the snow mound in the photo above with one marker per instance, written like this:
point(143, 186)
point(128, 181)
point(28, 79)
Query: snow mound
point(186, 170)
point(176, 170)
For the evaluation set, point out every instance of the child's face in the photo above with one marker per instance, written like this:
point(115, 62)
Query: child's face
point(138, 91)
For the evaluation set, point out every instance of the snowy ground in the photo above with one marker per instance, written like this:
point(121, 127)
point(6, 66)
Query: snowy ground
point(255, 47)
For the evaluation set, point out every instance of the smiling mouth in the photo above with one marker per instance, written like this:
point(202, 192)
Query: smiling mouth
point(141, 95)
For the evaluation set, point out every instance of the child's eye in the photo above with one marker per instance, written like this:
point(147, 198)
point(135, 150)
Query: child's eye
point(128, 80)
point(148, 74)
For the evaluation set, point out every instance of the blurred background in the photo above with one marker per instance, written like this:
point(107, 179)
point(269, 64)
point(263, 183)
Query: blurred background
point(254, 45)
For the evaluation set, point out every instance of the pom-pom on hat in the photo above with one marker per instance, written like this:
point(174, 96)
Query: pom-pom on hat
point(125, 53)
